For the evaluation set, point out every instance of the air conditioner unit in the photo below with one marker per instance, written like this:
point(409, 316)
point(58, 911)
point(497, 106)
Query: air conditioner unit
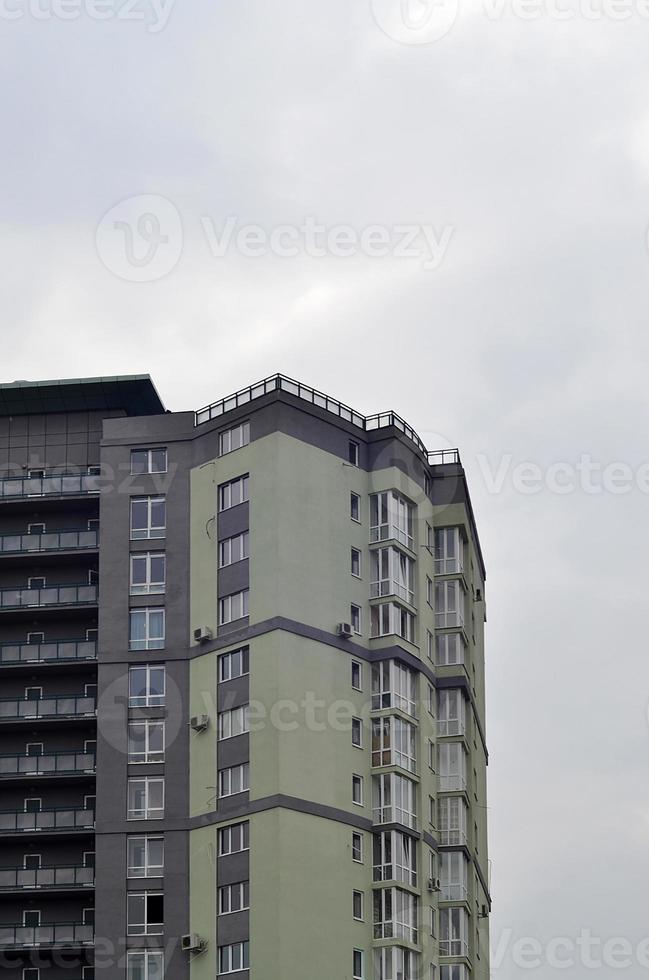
point(434, 885)
point(202, 634)
point(192, 943)
point(199, 723)
point(344, 629)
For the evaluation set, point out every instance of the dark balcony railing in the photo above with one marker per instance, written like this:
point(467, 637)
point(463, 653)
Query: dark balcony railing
point(51, 595)
point(17, 544)
point(37, 878)
point(50, 485)
point(59, 934)
point(59, 706)
point(50, 764)
point(58, 651)
point(53, 819)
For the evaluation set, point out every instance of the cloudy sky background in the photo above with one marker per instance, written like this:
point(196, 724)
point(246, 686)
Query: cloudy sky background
point(528, 343)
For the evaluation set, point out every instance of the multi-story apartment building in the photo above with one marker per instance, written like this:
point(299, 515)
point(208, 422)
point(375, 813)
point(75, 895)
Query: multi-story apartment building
point(241, 691)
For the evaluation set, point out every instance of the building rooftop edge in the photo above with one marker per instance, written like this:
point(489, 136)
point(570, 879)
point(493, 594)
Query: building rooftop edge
point(136, 394)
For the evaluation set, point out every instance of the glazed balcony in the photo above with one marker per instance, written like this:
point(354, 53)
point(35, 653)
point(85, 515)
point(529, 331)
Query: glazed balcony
point(48, 597)
point(72, 763)
point(55, 652)
point(57, 707)
point(66, 879)
point(53, 935)
point(49, 485)
point(49, 542)
point(49, 821)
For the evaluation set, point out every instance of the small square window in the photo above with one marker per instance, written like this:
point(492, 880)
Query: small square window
point(355, 507)
point(357, 790)
point(357, 733)
point(357, 905)
point(357, 676)
point(355, 618)
point(356, 562)
point(352, 453)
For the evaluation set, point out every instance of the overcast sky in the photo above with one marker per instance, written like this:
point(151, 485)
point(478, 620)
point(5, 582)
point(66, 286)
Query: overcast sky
point(507, 157)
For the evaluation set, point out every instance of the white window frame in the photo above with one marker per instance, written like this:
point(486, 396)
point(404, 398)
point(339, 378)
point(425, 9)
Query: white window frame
point(150, 586)
point(149, 531)
point(450, 649)
point(452, 761)
point(147, 700)
point(454, 931)
point(395, 857)
point(356, 894)
point(234, 664)
point(356, 558)
point(235, 438)
point(151, 641)
point(149, 869)
point(452, 821)
point(234, 607)
point(450, 604)
point(357, 669)
point(454, 876)
point(358, 964)
point(149, 461)
point(353, 452)
point(392, 619)
point(396, 915)
point(355, 502)
point(226, 958)
point(451, 712)
point(233, 780)
point(356, 618)
point(225, 834)
point(233, 722)
point(449, 551)
point(392, 517)
point(149, 755)
point(358, 838)
point(148, 812)
point(234, 549)
point(152, 961)
point(394, 743)
point(240, 892)
point(227, 490)
point(394, 686)
point(357, 733)
point(357, 783)
point(394, 800)
point(392, 572)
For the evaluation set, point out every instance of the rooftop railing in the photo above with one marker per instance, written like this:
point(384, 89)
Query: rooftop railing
point(14, 544)
point(279, 382)
point(57, 651)
point(47, 764)
point(48, 485)
point(75, 876)
point(56, 934)
point(58, 706)
point(53, 819)
point(50, 595)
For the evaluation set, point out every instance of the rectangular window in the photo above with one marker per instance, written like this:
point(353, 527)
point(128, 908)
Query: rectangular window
point(394, 800)
point(451, 712)
point(234, 898)
point(454, 971)
point(392, 573)
point(148, 517)
point(430, 646)
point(453, 932)
point(233, 780)
point(357, 676)
point(430, 597)
point(145, 857)
point(394, 743)
point(234, 549)
point(233, 722)
point(146, 741)
point(450, 649)
point(358, 965)
point(352, 452)
point(452, 821)
point(357, 790)
point(357, 733)
point(357, 848)
point(449, 604)
point(358, 902)
point(234, 664)
point(449, 547)
point(355, 614)
point(148, 461)
point(233, 607)
point(452, 767)
point(234, 438)
point(233, 493)
point(147, 629)
point(454, 877)
point(145, 965)
point(355, 507)
point(394, 686)
point(390, 618)
point(233, 958)
point(395, 963)
point(146, 798)
point(391, 516)
point(144, 914)
point(356, 562)
point(395, 857)
point(146, 686)
point(234, 839)
point(395, 915)
point(148, 573)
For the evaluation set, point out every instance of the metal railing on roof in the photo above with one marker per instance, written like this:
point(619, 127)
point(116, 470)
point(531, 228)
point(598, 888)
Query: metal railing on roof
point(279, 382)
